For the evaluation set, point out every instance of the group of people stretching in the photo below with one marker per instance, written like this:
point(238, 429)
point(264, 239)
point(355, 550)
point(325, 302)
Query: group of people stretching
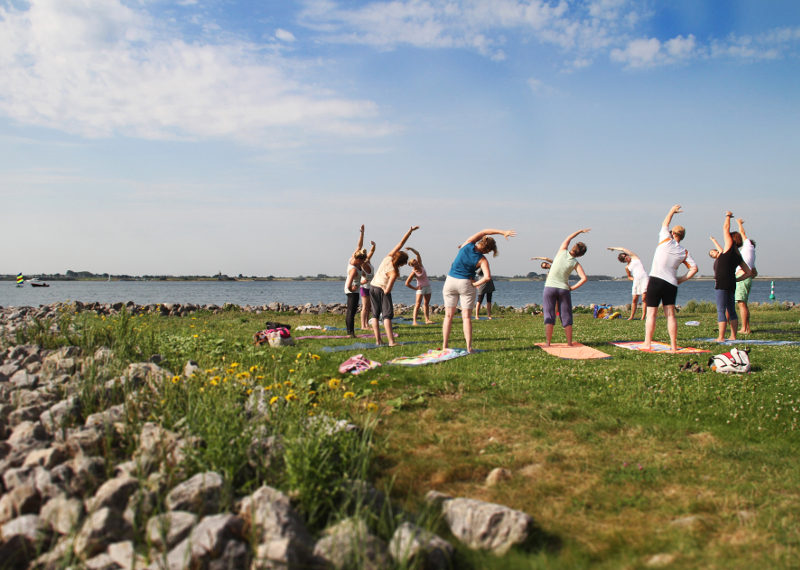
point(734, 269)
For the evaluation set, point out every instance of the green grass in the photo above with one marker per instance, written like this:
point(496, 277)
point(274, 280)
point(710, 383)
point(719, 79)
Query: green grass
point(605, 454)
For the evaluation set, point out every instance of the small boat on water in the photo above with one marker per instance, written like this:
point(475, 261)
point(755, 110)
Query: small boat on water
point(36, 283)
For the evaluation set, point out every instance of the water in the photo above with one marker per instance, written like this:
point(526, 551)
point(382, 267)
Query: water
point(514, 293)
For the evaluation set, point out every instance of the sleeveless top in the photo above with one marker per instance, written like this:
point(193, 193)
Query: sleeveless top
point(356, 278)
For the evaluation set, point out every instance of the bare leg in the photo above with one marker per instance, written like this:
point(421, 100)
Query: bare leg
point(467, 322)
point(447, 323)
point(387, 325)
point(672, 326)
point(745, 310)
point(427, 308)
point(734, 326)
point(634, 304)
point(366, 309)
point(548, 333)
point(650, 327)
point(721, 328)
point(488, 310)
point(568, 332)
point(417, 299)
point(477, 310)
point(376, 331)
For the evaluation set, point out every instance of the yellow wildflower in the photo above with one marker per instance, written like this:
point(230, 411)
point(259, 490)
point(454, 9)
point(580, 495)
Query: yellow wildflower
point(372, 407)
point(273, 400)
point(334, 383)
point(176, 379)
point(374, 382)
point(349, 395)
point(290, 397)
point(314, 356)
point(195, 336)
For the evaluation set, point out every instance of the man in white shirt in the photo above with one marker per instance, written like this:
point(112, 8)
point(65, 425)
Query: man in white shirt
point(748, 253)
point(663, 284)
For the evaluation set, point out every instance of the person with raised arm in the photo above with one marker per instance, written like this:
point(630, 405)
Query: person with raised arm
point(748, 251)
point(557, 290)
point(363, 290)
point(380, 288)
point(460, 285)
point(636, 273)
point(662, 286)
point(352, 281)
point(727, 261)
point(422, 288)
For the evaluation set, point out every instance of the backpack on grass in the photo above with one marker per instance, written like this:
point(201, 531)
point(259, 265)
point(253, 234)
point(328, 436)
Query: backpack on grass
point(736, 361)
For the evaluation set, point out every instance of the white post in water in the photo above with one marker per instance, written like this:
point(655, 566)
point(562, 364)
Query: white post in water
point(771, 290)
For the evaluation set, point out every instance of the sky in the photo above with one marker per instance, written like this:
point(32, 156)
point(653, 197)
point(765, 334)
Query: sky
point(150, 137)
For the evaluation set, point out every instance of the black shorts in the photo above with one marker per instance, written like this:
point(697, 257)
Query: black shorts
point(381, 303)
point(660, 291)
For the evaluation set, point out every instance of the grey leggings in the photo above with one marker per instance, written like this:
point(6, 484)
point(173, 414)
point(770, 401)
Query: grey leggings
point(552, 295)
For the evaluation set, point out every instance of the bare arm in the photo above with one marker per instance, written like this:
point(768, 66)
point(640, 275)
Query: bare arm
point(716, 244)
point(371, 251)
point(726, 231)
point(547, 259)
point(487, 274)
point(570, 237)
point(628, 271)
point(623, 250)
point(747, 272)
point(688, 262)
point(393, 275)
point(740, 223)
point(415, 252)
point(676, 209)
point(581, 274)
point(489, 232)
point(408, 282)
point(359, 245)
point(403, 241)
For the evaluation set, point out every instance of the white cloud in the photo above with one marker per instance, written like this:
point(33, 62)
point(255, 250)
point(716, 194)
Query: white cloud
point(638, 53)
point(98, 67)
point(284, 35)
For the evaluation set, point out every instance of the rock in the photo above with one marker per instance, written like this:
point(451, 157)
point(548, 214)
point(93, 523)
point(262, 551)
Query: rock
point(26, 431)
point(486, 526)
point(61, 414)
point(280, 534)
point(349, 544)
point(166, 530)
point(413, 546)
point(84, 441)
point(48, 457)
point(200, 494)
point(22, 537)
point(206, 542)
point(497, 476)
point(113, 494)
point(24, 379)
point(62, 514)
point(123, 554)
point(660, 560)
point(190, 369)
point(21, 500)
point(99, 530)
point(106, 418)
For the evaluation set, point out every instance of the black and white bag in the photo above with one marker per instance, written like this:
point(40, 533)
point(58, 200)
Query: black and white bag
point(736, 361)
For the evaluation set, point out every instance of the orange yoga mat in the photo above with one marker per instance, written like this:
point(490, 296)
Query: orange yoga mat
point(577, 351)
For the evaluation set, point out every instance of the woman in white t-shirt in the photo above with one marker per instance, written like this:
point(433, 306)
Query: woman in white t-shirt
point(636, 273)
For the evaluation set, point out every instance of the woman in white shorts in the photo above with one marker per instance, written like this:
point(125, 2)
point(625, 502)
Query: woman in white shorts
point(460, 286)
point(636, 273)
point(422, 288)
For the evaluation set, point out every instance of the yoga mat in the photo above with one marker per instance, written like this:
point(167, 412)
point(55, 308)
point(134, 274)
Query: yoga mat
point(762, 342)
point(318, 336)
point(431, 357)
point(577, 351)
point(657, 347)
point(361, 346)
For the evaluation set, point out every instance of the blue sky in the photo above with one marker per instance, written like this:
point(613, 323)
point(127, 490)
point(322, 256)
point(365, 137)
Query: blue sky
point(254, 137)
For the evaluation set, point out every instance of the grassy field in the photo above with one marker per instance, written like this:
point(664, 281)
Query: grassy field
point(625, 462)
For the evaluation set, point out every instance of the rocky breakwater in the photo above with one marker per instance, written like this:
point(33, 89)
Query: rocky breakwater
point(72, 496)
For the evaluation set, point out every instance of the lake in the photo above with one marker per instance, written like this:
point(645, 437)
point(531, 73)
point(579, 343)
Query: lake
point(514, 293)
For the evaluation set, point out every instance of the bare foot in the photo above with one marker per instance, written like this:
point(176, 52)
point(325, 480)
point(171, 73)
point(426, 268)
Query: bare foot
point(428, 322)
point(645, 347)
point(414, 323)
point(719, 339)
point(393, 344)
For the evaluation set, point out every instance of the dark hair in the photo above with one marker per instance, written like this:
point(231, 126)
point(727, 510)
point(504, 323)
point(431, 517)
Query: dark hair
point(622, 257)
point(399, 258)
point(487, 244)
point(578, 249)
point(737, 239)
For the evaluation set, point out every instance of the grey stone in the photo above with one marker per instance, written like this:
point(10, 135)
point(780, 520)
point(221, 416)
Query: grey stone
point(113, 494)
point(100, 529)
point(416, 547)
point(486, 526)
point(24, 379)
point(61, 414)
point(124, 554)
point(200, 494)
point(21, 500)
point(48, 457)
point(349, 544)
point(166, 530)
point(62, 514)
point(281, 536)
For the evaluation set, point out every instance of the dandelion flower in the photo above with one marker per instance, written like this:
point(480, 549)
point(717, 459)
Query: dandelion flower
point(372, 407)
point(349, 395)
point(273, 400)
point(176, 379)
point(374, 382)
point(334, 383)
